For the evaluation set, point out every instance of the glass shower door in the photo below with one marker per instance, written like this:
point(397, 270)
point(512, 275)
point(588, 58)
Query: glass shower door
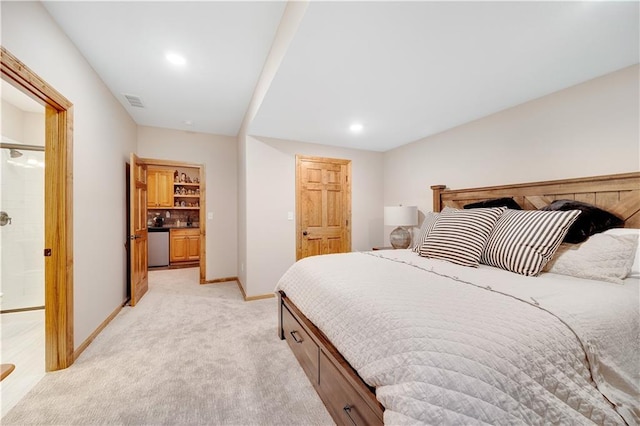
point(21, 227)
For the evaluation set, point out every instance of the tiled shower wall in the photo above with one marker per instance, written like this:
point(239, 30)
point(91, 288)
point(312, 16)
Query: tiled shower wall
point(22, 241)
point(22, 197)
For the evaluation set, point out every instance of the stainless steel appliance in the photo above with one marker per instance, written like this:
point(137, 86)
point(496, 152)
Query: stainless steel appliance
point(158, 253)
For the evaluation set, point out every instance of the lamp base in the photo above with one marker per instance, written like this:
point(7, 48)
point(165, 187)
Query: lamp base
point(400, 238)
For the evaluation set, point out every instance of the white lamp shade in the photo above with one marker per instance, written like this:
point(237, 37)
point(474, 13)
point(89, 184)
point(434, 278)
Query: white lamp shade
point(401, 215)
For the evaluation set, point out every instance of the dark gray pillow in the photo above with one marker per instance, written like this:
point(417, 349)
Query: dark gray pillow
point(509, 203)
point(592, 220)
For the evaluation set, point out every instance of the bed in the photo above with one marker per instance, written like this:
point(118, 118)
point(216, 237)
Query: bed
point(396, 337)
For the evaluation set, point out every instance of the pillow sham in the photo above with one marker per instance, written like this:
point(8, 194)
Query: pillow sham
point(602, 257)
point(523, 241)
point(460, 235)
point(509, 203)
point(592, 220)
point(427, 224)
point(635, 268)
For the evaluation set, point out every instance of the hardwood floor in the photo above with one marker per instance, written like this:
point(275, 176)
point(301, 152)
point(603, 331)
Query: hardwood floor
point(22, 345)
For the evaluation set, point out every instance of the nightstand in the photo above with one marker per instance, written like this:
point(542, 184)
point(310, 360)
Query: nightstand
point(383, 248)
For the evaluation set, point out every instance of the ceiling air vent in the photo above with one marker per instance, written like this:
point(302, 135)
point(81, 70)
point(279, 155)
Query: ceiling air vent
point(134, 100)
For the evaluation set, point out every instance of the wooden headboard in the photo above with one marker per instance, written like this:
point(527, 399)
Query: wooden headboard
point(618, 194)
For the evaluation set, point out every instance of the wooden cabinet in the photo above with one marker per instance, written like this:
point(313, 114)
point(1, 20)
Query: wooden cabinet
point(159, 188)
point(302, 345)
point(347, 398)
point(344, 403)
point(184, 245)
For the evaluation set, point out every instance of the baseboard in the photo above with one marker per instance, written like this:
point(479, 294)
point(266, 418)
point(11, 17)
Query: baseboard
point(244, 295)
point(97, 331)
point(13, 311)
point(251, 298)
point(220, 280)
point(259, 297)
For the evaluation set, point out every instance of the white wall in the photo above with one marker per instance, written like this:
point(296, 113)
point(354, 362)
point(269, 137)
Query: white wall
point(33, 131)
point(291, 18)
point(219, 156)
point(270, 195)
point(11, 125)
point(20, 126)
point(242, 207)
point(103, 137)
point(586, 130)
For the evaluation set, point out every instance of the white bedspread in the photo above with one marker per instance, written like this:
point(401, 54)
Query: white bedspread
point(444, 344)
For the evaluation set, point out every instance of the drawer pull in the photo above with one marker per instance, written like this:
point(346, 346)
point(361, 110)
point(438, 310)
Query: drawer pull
point(347, 410)
point(296, 339)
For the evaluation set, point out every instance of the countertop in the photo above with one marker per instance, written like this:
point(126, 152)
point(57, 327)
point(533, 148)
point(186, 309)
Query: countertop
point(155, 228)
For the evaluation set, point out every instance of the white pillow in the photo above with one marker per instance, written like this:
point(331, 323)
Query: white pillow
point(635, 269)
point(427, 224)
point(602, 257)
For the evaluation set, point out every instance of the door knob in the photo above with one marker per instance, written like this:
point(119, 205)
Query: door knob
point(305, 233)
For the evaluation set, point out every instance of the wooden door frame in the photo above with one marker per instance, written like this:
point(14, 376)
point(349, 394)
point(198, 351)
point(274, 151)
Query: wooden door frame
point(58, 203)
point(347, 200)
point(202, 215)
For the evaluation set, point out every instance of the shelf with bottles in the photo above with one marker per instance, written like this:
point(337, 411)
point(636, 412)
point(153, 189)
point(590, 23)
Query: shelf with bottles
point(184, 201)
point(182, 190)
point(186, 189)
point(183, 177)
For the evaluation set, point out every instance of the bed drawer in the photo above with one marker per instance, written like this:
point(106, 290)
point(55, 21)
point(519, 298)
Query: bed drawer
point(303, 347)
point(344, 403)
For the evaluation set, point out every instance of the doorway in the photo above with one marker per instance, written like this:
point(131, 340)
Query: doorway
point(166, 197)
point(323, 206)
point(22, 240)
point(58, 195)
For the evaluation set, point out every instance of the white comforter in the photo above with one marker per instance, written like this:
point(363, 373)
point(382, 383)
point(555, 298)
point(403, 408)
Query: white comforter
point(444, 344)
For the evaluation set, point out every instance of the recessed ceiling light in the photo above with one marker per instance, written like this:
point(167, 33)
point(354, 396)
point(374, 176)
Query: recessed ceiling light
point(356, 127)
point(175, 59)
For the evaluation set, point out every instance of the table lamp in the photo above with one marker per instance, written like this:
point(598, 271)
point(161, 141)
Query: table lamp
point(400, 216)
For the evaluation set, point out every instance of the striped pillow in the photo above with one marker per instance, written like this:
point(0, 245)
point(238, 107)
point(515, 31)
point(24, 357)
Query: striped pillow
point(429, 220)
point(523, 241)
point(460, 235)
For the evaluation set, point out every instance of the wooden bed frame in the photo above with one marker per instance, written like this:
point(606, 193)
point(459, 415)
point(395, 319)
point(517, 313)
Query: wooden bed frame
point(348, 399)
point(618, 194)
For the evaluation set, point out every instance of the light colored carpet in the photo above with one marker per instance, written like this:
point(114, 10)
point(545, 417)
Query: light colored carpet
point(186, 354)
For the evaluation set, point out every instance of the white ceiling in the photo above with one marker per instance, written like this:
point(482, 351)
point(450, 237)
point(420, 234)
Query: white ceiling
point(225, 45)
point(405, 70)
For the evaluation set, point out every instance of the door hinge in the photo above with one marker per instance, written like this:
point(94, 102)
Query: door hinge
point(47, 252)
